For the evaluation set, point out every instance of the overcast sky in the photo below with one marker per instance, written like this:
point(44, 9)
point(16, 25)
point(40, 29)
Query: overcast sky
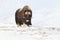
point(45, 12)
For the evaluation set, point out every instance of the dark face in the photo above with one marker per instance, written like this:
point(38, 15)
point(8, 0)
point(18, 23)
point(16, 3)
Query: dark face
point(27, 14)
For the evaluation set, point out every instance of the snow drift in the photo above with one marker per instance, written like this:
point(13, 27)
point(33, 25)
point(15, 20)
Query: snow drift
point(12, 32)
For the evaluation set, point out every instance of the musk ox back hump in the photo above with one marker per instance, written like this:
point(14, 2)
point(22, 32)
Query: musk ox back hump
point(19, 13)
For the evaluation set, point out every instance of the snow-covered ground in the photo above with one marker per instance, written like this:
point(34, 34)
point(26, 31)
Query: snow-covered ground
point(12, 32)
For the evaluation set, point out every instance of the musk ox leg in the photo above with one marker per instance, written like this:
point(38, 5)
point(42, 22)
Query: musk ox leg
point(20, 22)
point(29, 22)
point(16, 20)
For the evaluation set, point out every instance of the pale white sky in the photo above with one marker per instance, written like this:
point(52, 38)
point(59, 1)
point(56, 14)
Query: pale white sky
point(45, 12)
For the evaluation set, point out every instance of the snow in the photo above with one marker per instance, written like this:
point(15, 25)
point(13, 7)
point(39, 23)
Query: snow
point(13, 32)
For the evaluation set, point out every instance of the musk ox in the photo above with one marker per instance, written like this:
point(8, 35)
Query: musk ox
point(23, 15)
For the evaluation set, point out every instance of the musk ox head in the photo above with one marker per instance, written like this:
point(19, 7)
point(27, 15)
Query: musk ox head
point(23, 15)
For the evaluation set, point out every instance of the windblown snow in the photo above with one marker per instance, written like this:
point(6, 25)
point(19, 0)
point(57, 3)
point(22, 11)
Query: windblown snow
point(12, 32)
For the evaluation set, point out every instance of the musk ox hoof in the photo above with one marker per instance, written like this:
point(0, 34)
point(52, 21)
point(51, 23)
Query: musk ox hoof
point(29, 25)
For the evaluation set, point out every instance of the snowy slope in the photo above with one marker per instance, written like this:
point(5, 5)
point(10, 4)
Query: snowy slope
point(12, 32)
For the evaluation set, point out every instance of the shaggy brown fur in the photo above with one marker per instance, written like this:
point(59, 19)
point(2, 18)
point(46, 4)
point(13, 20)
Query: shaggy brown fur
point(23, 15)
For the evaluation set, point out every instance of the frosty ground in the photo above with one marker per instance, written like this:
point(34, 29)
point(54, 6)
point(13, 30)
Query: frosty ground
point(12, 32)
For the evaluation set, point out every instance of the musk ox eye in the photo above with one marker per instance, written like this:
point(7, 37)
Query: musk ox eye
point(25, 13)
point(29, 13)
